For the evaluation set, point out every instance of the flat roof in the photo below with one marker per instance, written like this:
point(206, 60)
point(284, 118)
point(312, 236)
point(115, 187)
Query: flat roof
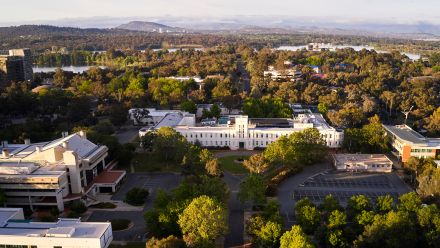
point(67, 228)
point(271, 122)
point(170, 120)
point(354, 158)
point(406, 133)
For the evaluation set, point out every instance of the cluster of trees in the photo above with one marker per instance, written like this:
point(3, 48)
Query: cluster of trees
point(171, 147)
point(370, 138)
point(355, 85)
point(266, 108)
point(195, 211)
point(425, 178)
point(364, 223)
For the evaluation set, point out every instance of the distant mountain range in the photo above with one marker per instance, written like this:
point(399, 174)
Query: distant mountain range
point(150, 27)
point(249, 24)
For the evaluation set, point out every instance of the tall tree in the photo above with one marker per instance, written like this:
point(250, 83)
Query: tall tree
point(202, 222)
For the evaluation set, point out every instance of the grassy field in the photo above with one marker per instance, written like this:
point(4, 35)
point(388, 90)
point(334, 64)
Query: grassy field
point(228, 164)
point(147, 162)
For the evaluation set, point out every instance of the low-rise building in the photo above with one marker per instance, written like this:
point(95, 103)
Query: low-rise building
point(284, 74)
point(54, 172)
point(17, 232)
point(362, 162)
point(407, 143)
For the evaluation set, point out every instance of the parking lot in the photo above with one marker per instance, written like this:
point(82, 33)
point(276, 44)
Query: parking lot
point(379, 182)
point(320, 180)
point(342, 196)
point(344, 185)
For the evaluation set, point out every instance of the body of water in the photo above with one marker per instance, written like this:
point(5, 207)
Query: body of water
point(331, 47)
point(74, 69)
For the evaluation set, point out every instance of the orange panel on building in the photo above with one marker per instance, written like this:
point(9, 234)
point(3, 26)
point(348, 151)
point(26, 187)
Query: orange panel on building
point(406, 153)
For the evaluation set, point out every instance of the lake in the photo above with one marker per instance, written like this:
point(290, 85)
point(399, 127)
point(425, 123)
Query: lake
point(331, 47)
point(74, 69)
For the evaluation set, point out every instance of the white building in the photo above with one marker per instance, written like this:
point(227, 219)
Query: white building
point(52, 173)
point(241, 132)
point(290, 73)
point(197, 79)
point(362, 162)
point(16, 232)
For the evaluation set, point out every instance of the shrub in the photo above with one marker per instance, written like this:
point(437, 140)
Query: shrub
point(136, 196)
point(54, 212)
point(104, 205)
point(78, 207)
point(281, 174)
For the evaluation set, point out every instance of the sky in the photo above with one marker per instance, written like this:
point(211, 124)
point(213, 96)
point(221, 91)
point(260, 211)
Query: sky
point(397, 11)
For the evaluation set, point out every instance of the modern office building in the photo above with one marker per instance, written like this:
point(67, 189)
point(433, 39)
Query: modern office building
point(408, 143)
point(17, 64)
point(362, 162)
point(241, 132)
point(16, 232)
point(55, 172)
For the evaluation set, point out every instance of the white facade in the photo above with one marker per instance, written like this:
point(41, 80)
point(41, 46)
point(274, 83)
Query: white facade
point(65, 233)
point(52, 173)
point(245, 133)
point(362, 162)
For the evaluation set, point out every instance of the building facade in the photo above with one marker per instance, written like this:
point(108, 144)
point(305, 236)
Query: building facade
point(17, 65)
point(240, 132)
point(52, 173)
point(407, 143)
point(16, 232)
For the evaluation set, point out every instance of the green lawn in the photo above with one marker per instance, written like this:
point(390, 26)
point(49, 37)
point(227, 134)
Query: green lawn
point(228, 164)
point(148, 162)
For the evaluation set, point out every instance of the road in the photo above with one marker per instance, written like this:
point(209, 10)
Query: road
point(245, 79)
point(236, 211)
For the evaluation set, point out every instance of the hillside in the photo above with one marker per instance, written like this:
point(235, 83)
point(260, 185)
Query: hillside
point(150, 27)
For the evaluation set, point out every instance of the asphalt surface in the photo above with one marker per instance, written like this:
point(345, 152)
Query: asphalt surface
point(151, 181)
point(135, 233)
point(245, 79)
point(317, 181)
point(127, 134)
point(236, 211)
